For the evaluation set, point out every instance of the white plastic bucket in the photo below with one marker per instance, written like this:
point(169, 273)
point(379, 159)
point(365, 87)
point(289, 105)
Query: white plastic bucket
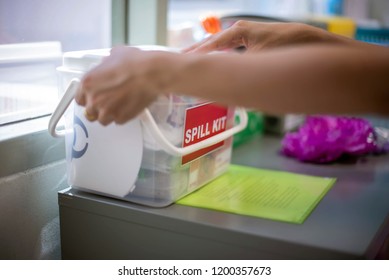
point(144, 161)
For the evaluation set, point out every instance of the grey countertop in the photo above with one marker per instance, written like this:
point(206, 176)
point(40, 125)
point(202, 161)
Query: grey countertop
point(350, 222)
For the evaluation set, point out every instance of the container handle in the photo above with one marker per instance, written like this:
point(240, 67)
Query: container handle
point(61, 108)
point(148, 120)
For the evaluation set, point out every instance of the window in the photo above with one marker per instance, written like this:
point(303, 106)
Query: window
point(33, 35)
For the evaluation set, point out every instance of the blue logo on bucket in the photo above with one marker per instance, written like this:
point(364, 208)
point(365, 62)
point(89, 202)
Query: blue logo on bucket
point(80, 153)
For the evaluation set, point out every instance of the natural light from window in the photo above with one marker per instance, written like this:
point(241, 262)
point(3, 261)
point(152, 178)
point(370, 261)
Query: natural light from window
point(33, 36)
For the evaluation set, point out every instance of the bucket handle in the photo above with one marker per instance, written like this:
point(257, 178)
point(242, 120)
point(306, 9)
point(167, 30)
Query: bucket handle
point(147, 120)
point(61, 108)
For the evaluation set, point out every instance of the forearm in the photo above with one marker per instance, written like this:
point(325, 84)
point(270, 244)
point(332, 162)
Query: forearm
point(299, 80)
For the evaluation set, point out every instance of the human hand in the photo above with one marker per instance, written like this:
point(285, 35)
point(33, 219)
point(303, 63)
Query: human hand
point(121, 86)
point(255, 36)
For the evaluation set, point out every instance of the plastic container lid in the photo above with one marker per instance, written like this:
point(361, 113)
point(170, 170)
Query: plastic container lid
point(82, 61)
point(26, 52)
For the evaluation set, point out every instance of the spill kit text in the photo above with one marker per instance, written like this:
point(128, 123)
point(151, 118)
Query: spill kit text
point(203, 130)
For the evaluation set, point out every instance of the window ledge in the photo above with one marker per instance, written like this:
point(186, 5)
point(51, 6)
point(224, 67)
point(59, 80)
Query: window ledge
point(25, 145)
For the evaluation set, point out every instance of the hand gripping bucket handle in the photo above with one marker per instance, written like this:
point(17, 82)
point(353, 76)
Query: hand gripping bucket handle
point(147, 120)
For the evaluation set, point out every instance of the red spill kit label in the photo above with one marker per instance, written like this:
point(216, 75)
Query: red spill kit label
point(203, 122)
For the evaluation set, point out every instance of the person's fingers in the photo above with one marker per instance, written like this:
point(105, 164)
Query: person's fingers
point(90, 116)
point(214, 43)
point(126, 103)
point(91, 112)
point(195, 45)
point(80, 96)
point(129, 110)
point(110, 72)
point(94, 86)
point(109, 104)
point(119, 104)
point(105, 117)
point(100, 78)
point(228, 39)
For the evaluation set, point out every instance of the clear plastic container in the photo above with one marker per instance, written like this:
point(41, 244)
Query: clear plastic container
point(154, 159)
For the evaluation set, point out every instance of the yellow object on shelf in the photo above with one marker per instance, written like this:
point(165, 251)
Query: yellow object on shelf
point(339, 25)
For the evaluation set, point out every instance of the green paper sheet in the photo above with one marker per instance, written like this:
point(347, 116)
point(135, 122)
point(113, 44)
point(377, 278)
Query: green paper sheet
point(275, 195)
